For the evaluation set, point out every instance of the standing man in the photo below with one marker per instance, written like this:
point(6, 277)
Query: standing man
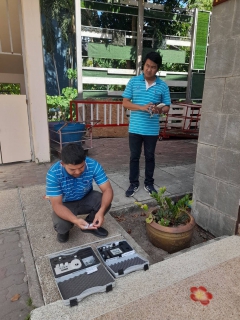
point(141, 95)
point(69, 188)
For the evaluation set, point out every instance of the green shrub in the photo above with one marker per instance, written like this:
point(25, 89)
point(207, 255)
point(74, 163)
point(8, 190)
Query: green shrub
point(168, 213)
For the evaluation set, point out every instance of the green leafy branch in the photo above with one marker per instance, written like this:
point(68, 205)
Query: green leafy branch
point(58, 106)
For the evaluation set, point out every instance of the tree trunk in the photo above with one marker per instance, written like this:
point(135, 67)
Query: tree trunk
point(56, 74)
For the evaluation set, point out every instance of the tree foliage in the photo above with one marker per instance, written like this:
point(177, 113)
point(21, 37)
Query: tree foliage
point(58, 106)
point(200, 4)
point(9, 88)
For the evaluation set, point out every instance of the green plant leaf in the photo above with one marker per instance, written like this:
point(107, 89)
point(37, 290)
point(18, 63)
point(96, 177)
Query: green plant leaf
point(149, 219)
point(144, 207)
point(190, 203)
point(72, 74)
point(164, 222)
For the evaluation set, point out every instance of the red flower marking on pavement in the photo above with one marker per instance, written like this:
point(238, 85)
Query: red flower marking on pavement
point(201, 294)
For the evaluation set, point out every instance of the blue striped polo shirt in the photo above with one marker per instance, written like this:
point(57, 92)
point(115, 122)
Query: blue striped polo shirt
point(60, 183)
point(140, 121)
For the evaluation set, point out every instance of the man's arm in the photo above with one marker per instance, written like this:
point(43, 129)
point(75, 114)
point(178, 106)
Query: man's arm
point(166, 99)
point(107, 196)
point(131, 106)
point(64, 213)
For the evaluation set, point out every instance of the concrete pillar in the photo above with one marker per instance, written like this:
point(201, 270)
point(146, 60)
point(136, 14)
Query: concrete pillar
point(140, 36)
point(35, 79)
point(78, 19)
point(217, 177)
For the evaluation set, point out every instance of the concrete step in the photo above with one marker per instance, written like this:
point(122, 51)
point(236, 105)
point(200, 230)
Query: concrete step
point(138, 285)
point(170, 256)
point(175, 302)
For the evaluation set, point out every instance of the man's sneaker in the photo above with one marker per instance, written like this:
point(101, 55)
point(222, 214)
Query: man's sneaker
point(99, 232)
point(150, 189)
point(131, 190)
point(63, 237)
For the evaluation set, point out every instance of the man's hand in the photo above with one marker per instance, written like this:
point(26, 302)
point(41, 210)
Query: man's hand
point(165, 109)
point(82, 224)
point(134, 107)
point(146, 107)
point(98, 220)
point(161, 109)
point(107, 196)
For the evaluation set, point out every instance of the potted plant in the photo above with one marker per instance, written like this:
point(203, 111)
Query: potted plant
point(169, 225)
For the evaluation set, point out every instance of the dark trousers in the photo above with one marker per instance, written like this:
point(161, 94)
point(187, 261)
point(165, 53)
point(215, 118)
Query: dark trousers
point(135, 145)
point(90, 204)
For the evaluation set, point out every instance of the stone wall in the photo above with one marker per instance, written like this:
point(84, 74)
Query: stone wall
point(217, 177)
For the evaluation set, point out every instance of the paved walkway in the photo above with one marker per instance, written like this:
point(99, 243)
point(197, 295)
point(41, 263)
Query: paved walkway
point(164, 291)
point(25, 216)
point(112, 153)
point(13, 279)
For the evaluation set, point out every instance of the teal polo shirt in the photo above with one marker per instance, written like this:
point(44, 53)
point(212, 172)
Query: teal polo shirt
point(60, 183)
point(140, 121)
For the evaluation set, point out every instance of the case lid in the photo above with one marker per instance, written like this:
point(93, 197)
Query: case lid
point(120, 258)
point(78, 273)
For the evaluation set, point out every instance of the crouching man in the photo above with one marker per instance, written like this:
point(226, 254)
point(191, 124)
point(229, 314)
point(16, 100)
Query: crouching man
point(69, 188)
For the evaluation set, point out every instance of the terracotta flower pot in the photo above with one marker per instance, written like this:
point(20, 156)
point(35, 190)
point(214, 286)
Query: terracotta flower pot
point(171, 239)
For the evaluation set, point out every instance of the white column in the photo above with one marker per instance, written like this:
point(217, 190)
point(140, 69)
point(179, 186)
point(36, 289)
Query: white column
point(34, 78)
point(140, 36)
point(192, 54)
point(79, 47)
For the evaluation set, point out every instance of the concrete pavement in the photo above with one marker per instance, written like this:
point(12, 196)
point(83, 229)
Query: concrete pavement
point(24, 208)
point(163, 292)
point(112, 153)
point(13, 278)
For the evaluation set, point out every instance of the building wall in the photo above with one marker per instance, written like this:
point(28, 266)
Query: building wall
point(217, 177)
point(24, 122)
